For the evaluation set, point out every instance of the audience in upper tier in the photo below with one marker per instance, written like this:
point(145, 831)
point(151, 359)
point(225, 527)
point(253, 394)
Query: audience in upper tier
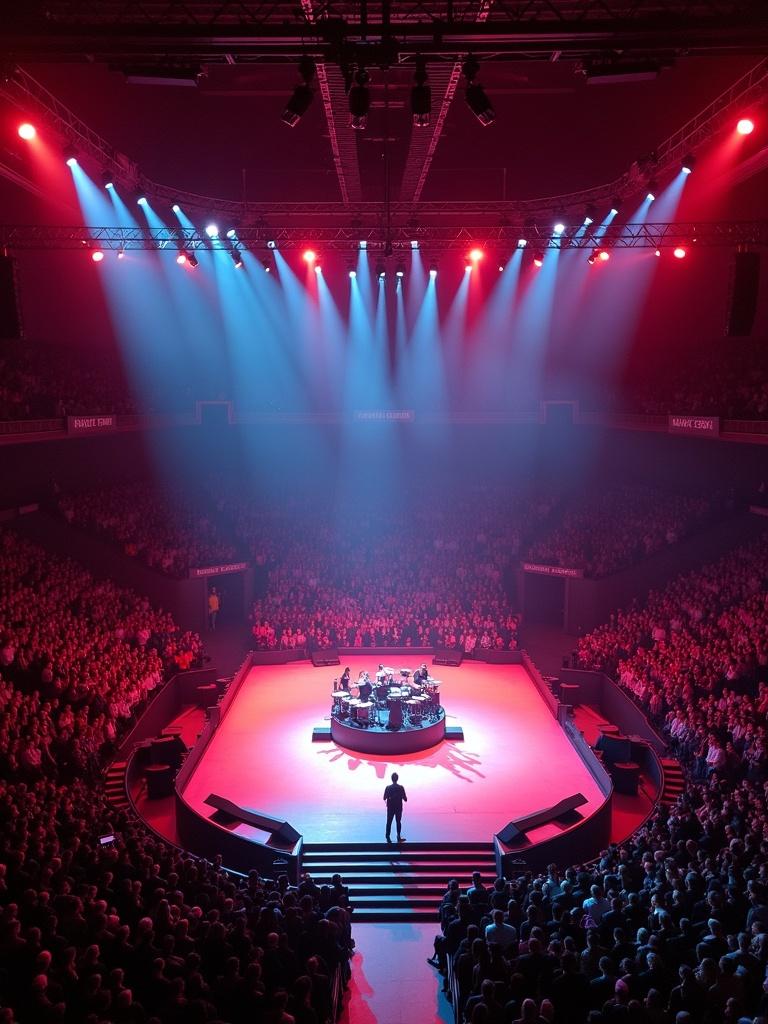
point(124, 929)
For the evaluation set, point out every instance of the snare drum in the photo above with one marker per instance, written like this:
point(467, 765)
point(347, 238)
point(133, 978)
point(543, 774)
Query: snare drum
point(414, 710)
point(363, 712)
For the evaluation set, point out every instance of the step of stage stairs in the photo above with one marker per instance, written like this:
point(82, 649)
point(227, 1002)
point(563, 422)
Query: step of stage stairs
point(398, 882)
point(674, 780)
point(114, 785)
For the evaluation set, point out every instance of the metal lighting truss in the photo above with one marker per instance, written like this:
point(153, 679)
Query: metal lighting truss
point(162, 33)
point(701, 234)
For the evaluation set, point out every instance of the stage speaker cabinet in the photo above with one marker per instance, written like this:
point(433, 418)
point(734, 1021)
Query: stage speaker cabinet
point(510, 834)
point(321, 734)
point(10, 301)
point(445, 657)
point(742, 303)
point(328, 657)
point(281, 830)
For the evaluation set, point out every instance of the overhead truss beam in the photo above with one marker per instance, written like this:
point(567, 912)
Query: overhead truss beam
point(436, 238)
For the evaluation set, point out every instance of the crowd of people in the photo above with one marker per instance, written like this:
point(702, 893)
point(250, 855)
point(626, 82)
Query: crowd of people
point(670, 927)
point(619, 526)
point(100, 921)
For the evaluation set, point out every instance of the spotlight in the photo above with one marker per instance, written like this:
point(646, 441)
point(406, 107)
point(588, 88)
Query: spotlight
point(267, 266)
point(237, 258)
point(231, 233)
point(745, 126)
point(689, 162)
point(106, 180)
point(421, 96)
point(615, 206)
point(97, 255)
point(70, 160)
point(657, 252)
point(176, 208)
point(501, 268)
point(591, 259)
point(359, 100)
point(363, 243)
point(181, 259)
point(558, 227)
point(589, 215)
point(653, 188)
point(521, 243)
point(271, 244)
point(212, 230)
point(192, 260)
point(318, 269)
point(433, 272)
point(27, 131)
point(353, 273)
point(679, 252)
point(476, 255)
point(476, 97)
point(303, 94)
point(121, 253)
point(381, 272)
point(603, 255)
point(309, 255)
point(538, 259)
point(142, 200)
point(400, 272)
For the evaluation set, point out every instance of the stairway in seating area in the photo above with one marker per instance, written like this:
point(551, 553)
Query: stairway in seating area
point(402, 882)
point(674, 781)
point(114, 785)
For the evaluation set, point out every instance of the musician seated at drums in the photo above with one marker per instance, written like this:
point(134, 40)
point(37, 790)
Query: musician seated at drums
point(421, 675)
point(366, 688)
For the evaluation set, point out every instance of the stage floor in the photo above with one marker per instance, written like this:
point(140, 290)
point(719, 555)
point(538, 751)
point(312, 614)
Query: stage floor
point(514, 760)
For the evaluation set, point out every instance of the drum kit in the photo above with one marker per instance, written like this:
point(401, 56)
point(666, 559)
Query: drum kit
point(397, 702)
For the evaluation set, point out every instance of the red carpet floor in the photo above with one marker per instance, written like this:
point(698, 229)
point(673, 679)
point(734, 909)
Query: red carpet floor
point(514, 760)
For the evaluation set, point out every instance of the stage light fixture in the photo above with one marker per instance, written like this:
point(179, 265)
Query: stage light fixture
point(689, 162)
point(192, 260)
point(237, 258)
point(309, 256)
point(414, 244)
point(212, 230)
point(475, 255)
point(363, 243)
point(400, 271)
point(70, 160)
point(359, 98)
point(353, 273)
point(231, 233)
point(591, 259)
point(106, 180)
point(538, 259)
point(267, 266)
point(615, 206)
point(657, 252)
point(381, 271)
point(142, 200)
point(421, 95)
point(303, 94)
point(745, 126)
point(589, 215)
point(653, 188)
point(271, 244)
point(181, 259)
point(521, 243)
point(558, 227)
point(97, 255)
point(501, 268)
point(27, 131)
point(318, 269)
point(121, 253)
point(679, 252)
point(176, 208)
point(603, 255)
point(476, 97)
point(433, 272)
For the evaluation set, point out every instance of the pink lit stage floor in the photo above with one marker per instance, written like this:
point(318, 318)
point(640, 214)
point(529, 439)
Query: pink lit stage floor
point(514, 760)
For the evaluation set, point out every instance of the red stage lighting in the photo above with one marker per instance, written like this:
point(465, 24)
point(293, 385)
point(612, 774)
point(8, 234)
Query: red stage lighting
point(657, 253)
point(310, 255)
point(745, 126)
point(181, 259)
point(538, 260)
point(679, 253)
point(27, 131)
point(97, 255)
point(604, 255)
point(476, 255)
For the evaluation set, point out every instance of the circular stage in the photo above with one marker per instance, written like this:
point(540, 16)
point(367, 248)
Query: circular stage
point(377, 739)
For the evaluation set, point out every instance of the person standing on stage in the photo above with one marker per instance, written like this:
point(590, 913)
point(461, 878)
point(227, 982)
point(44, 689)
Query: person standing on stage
point(394, 795)
point(214, 606)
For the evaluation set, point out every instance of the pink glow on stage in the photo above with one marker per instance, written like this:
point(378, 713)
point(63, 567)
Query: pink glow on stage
point(515, 758)
point(27, 131)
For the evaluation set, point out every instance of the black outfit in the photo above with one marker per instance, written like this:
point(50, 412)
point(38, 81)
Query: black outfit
point(394, 794)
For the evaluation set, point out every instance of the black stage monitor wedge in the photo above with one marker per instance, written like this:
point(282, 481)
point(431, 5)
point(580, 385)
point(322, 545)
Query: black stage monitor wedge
point(321, 658)
point(454, 732)
point(446, 657)
point(745, 284)
point(321, 734)
point(514, 830)
point(281, 830)
point(10, 305)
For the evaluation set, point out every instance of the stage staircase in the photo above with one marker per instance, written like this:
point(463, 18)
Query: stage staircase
point(674, 781)
point(402, 882)
point(114, 785)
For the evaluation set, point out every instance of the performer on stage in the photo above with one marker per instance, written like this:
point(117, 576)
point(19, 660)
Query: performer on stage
point(344, 684)
point(366, 689)
point(394, 795)
point(421, 675)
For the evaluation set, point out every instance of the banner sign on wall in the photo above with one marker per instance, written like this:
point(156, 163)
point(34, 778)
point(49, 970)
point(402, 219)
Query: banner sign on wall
point(217, 570)
point(700, 426)
point(385, 415)
point(90, 424)
point(552, 570)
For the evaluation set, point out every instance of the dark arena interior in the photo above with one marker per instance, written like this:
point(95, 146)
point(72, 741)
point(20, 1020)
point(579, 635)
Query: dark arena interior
point(383, 512)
